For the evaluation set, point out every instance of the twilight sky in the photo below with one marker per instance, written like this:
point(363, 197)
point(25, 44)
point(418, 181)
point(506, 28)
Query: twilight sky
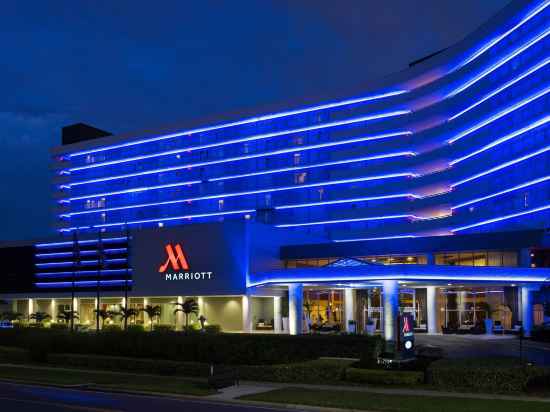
point(131, 65)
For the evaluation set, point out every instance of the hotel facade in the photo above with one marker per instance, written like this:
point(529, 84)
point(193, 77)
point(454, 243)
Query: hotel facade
point(427, 192)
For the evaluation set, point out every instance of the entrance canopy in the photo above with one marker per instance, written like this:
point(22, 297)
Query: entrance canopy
point(401, 272)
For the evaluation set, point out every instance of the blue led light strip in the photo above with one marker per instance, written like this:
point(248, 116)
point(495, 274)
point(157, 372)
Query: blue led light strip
point(242, 122)
point(502, 166)
point(375, 238)
point(337, 202)
point(82, 273)
point(503, 139)
point(497, 39)
point(135, 190)
point(500, 218)
point(500, 114)
point(500, 63)
point(82, 262)
point(81, 242)
point(234, 159)
point(251, 192)
point(359, 219)
point(166, 219)
point(82, 252)
point(246, 139)
point(502, 88)
point(81, 283)
point(315, 165)
point(502, 192)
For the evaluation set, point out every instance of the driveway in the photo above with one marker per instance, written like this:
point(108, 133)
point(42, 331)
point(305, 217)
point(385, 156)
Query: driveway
point(471, 346)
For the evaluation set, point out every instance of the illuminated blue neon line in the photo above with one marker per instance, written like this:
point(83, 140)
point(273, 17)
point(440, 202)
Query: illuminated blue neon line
point(84, 272)
point(503, 139)
point(398, 276)
point(83, 263)
point(245, 139)
point(242, 122)
point(497, 39)
point(502, 166)
point(500, 63)
point(336, 202)
point(82, 252)
point(81, 283)
point(375, 238)
point(81, 242)
point(135, 190)
point(315, 165)
point(250, 192)
point(500, 114)
point(359, 219)
point(165, 219)
point(247, 157)
point(502, 192)
point(502, 88)
point(500, 218)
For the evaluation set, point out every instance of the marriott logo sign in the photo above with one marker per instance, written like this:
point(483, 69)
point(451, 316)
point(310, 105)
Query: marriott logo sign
point(176, 265)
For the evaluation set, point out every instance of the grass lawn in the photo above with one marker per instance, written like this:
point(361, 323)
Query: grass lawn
point(394, 403)
point(107, 380)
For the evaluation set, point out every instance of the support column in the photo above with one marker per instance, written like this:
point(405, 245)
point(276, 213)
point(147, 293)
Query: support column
point(179, 315)
point(295, 308)
point(527, 308)
point(146, 319)
point(431, 309)
point(277, 315)
point(247, 313)
point(391, 308)
point(349, 309)
point(30, 308)
point(53, 310)
point(76, 307)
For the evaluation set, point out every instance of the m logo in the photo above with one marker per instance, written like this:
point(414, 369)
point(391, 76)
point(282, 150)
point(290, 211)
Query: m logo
point(176, 258)
point(407, 327)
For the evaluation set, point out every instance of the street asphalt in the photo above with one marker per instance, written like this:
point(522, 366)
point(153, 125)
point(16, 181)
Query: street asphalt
point(23, 398)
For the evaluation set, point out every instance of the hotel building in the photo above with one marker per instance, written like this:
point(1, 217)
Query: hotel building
point(427, 191)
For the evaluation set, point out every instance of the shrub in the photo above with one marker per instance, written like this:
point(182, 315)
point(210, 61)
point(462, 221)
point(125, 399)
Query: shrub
point(59, 326)
point(319, 371)
point(111, 328)
point(163, 328)
point(496, 375)
point(384, 377)
point(13, 355)
point(213, 329)
point(135, 328)
point(233, 349)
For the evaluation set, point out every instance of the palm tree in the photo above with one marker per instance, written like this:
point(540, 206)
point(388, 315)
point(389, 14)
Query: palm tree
point(188, 307)
point(152, 311)
point(104, 315)
point(67, 316)
point(126, 313)
point(11, 316)
point(39, 317)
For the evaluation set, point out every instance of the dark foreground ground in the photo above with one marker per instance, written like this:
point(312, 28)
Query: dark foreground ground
point(481, 346)
point(23, 398)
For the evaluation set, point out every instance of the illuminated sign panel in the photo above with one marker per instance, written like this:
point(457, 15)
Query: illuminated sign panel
point(191, 260)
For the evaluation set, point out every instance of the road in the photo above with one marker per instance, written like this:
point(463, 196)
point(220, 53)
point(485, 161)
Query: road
point(476, 346)
point(25, 398)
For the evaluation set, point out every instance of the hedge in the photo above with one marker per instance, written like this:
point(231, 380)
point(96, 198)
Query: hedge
point(232, 349)
point(321, 371)
point(493, 375)
point(384, 377)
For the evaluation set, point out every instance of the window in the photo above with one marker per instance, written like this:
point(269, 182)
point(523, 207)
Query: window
point(477, 258)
